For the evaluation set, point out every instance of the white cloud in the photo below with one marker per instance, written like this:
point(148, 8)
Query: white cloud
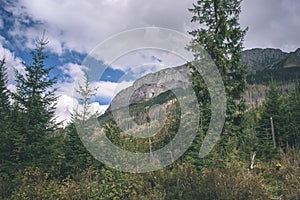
point(80, 25)
point(159, 58)
point(73, 77)
point(12, 62)
point(71, 73)
point(66, 106)
point(108, 90)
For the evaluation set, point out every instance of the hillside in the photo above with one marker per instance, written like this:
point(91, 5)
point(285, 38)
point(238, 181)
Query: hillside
point(259, 59)
point(265, 65)
point(153, 98)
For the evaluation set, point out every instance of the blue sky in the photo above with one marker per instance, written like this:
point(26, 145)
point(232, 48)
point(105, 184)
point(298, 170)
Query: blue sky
point(75, 27)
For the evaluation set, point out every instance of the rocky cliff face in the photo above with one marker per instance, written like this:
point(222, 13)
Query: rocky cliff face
point(152, 85)
point(259, 59)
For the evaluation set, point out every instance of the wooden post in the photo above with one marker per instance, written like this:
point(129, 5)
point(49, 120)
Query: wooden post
point(273, 134)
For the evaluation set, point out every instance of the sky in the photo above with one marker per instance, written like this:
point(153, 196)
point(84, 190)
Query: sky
point(75, 27)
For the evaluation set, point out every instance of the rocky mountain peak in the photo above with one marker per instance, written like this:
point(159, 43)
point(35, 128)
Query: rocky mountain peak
point(258, 59)
point(152, 85)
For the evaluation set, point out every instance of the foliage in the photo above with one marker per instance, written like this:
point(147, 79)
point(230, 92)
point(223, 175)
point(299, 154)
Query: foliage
point(75, 157)
point(41, 161)
point(86, 93)
point(5, 130)
point(4, 96)
point(268, 180)
point(271, 110)
point(281, 75)
point(285, 118)
point(5, 113)
point(292, 126)
point(34, 104)
point(222, 37)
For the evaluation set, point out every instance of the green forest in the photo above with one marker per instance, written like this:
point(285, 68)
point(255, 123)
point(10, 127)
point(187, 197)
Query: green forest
point(256, 157)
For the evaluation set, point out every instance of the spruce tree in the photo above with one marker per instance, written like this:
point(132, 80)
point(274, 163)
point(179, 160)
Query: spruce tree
point(222, 37)
point(5, 119)
point(292, 134)
point(4, 96)
point(272, 108)
point(34, 105)
point(86, 93)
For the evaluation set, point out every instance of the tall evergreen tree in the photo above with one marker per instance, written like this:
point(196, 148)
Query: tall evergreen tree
point(34, 106)
point(291, 118)
point(4, 95)
point(272, 108)
point(222, 37)
point(5, 118)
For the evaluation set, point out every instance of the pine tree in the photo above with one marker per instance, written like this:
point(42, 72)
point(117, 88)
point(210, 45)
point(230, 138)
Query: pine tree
point(5, 119)
point(4, 96)
point(222, 37)
point(292, 117)
point(86, 93)
point(272, 108)
point(34, 107)
point(77, 156)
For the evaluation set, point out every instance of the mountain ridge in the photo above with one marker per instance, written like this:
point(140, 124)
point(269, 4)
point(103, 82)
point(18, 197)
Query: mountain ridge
point(258, 58)
point(263, 66)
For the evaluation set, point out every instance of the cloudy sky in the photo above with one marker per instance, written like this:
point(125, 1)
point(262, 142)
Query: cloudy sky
point(75, 27)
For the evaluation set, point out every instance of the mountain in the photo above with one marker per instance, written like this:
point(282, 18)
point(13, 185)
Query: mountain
point(151, 85)
point(265, 65)
point(153, 98)
point(259, 59)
